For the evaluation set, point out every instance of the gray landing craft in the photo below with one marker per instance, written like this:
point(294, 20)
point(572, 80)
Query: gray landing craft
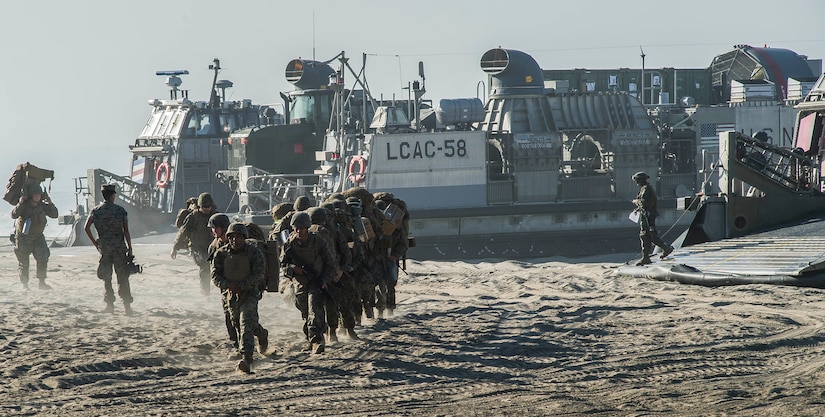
point(767, 223)
point(542, 167)
point(546, 171)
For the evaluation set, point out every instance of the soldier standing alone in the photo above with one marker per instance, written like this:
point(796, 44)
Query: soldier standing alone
point(114, 244)
point(646, 205)
point(30, 214)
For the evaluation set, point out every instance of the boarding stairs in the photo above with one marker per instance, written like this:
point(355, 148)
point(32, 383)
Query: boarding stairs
point(791, 169)
point(258, 190)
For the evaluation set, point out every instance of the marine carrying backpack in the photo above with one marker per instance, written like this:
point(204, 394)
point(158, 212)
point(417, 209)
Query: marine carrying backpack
point(24, 175)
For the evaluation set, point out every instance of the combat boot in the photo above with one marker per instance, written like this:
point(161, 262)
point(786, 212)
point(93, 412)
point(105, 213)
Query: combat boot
point(245, 365)
point(127, 308)
point(644, 261)
point(43, 285)
point(368, 312)
point(110, 307)
point(331, 336)
point(351, 334)
point(668, 251)
point(317, 348)
point(263, 341)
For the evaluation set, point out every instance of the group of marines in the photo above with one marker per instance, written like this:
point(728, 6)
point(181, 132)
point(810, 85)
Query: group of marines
point(338, 260)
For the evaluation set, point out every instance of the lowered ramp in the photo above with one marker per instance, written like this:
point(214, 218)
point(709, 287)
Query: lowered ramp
point(794, 255)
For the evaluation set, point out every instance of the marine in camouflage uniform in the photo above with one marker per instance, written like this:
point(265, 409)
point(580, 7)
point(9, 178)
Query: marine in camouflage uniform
point(349, 290)
point(646, 205)
point(34, 209)
point(303, 254)
point(335, 306)
point(395, 248)
point(196, 235)
point(238, 270)
point(219, 223)
point(363, 263)
point(114, 244)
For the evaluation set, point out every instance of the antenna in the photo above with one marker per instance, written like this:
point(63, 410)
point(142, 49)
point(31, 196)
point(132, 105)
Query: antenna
point(313, 35)
point(214, 98)
point(642, 90)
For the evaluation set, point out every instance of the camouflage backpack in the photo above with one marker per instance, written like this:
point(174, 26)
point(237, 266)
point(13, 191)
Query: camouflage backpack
point(270, 251)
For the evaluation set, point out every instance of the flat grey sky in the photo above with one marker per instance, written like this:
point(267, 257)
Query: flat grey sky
point(76, 75)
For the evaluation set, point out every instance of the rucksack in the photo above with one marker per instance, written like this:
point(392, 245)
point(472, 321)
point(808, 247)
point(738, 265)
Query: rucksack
point(270, 250)
point(24, 175)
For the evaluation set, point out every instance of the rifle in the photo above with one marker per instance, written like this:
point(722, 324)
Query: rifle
point(308, 269)
point(403, 265)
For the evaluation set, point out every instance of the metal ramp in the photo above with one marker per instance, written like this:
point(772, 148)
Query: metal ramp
point(766, 258)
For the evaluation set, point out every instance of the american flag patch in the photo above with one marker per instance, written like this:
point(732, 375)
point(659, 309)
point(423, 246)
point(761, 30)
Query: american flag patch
point(709, 133)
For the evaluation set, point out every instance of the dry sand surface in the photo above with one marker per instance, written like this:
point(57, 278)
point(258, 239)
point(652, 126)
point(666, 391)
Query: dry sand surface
point(550, 337)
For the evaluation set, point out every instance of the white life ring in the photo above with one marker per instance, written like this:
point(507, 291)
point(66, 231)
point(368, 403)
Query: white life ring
point(356, 174)
point(163, 175)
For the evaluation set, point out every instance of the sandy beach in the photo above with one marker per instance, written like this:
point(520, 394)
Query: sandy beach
point(550, 337)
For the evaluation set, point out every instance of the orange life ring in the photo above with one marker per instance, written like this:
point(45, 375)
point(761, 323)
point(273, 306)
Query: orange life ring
point(163, 175)
point(356, 175)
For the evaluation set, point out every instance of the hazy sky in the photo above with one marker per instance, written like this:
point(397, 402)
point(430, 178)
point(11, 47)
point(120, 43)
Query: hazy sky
point(76, 75)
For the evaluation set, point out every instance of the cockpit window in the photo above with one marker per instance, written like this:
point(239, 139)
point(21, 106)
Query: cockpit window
point(313, 109)
point(202, 124)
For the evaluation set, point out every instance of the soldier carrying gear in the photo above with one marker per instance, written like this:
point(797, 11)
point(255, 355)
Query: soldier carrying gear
point(219, 223)
point(30, 221)
point(308, 261)
point(646, 206)
point(195, 234)
point(238, 270)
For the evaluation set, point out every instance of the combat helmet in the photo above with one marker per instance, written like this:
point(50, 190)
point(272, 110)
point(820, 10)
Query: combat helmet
point(317, 215)
point(301, 203)
point(640, 176)
point(301, 220)
point(219, 220)
point(34, 189)
point(205, 200)
point(237, 228)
